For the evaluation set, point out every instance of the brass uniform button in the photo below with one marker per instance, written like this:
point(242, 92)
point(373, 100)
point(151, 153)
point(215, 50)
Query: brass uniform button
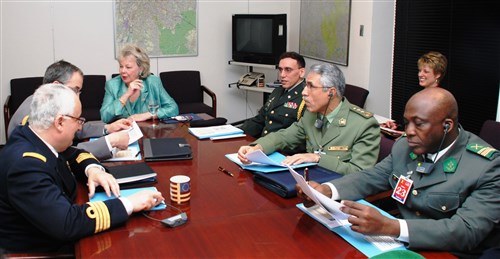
point(415, 192)
point(270, 122)
point(286, 115)
point(417, 213)
point(265, 131)
point(443, 208)
point(272, 112)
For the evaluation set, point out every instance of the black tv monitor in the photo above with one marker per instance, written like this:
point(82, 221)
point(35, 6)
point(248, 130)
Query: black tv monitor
point(259, 38)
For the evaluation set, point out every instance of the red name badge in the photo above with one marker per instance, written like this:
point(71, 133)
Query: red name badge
point(402, 189)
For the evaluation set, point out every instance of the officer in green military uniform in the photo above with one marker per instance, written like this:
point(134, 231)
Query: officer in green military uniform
point(337, 134)
point(284, 105)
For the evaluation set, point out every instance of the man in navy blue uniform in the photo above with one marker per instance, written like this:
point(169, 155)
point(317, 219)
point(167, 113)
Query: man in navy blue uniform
point(38, 212)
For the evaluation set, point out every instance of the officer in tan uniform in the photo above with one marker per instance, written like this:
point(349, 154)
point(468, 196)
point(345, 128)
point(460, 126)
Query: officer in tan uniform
point(284, 105)
point(337, 134)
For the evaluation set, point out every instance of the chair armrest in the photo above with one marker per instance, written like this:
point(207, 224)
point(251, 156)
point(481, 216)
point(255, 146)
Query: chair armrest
point(6, 114)
point(214, 98)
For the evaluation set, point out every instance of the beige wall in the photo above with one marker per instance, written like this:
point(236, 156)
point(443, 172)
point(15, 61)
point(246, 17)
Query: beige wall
point(37, 33)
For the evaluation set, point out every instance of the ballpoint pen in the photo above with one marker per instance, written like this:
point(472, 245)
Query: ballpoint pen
point(222, 169)
point(306, 174)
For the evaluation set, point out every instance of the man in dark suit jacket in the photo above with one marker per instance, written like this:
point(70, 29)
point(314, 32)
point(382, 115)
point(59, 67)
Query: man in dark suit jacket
point(284, 105)
point(451, 201)
point(109, 135)
point(38, 212)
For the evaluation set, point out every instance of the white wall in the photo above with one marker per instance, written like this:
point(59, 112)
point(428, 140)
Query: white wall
point(37, 33)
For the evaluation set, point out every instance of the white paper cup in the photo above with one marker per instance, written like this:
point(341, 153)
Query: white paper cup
point(180, 188)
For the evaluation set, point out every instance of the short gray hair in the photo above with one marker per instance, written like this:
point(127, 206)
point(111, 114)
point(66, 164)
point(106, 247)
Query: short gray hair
point(49, 100)
point(330, 76)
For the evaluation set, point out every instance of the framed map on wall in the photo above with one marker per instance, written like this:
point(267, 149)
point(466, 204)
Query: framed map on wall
point(324, 30)
point(162, 28)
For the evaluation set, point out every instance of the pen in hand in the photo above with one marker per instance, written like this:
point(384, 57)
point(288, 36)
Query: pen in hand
point(306, 174)
point(222, 169)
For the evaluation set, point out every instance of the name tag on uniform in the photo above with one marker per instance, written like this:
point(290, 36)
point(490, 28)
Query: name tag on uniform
point(338, 148)
point(402, 189)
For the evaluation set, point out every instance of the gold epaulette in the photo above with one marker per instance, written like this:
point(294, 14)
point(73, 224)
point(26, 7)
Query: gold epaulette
point(35, 155)
point(84, 156)
point(300, 112)
point(361, 112)
point(484, 151)
point(99, 212)
point(25, 120)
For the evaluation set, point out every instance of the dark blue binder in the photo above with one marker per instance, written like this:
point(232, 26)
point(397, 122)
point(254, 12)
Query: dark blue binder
point(283, 184)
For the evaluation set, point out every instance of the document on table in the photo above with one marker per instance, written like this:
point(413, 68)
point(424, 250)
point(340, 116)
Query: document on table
point(327, 212)
point(215, 131)
point(268, 167)
point(134, 133)
point(329, 205)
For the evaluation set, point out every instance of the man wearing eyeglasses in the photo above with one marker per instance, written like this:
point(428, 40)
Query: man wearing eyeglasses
point(110, 135)
point(338, 135)
point(38, 184)
point(284, 105)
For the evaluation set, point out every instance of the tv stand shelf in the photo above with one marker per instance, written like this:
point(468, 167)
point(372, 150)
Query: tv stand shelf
point(251, 65)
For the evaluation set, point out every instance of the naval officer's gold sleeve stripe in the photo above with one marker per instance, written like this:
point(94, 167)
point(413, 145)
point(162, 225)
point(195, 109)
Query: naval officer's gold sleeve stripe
point(35, 155)
point(83, 156)
point(100, 213)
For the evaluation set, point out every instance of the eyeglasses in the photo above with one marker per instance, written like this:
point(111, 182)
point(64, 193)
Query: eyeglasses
point(80, 120)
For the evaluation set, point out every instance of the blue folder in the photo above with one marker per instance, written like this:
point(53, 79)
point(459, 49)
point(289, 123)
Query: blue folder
point(283, 184)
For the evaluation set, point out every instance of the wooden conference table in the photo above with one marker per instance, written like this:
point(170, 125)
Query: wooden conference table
point(228, 217)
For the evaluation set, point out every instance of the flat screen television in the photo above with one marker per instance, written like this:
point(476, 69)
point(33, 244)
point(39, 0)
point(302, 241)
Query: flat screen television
point(259, 38)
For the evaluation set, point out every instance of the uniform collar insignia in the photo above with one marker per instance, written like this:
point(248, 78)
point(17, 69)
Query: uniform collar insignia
point(413, 156)
point(342, 122)
point(450, 165)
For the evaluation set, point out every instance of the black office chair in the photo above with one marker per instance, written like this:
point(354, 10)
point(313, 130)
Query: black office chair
point(356, 95)
point(20, 89)
point(490, 132)
point(186, 89)
point(92, 96)
point(385, 147)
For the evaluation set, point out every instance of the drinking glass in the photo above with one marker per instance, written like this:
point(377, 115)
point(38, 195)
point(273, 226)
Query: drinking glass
point(153, 109)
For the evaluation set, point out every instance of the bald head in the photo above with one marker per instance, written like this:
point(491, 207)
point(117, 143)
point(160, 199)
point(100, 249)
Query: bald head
point(431, 118)
point(437, 102)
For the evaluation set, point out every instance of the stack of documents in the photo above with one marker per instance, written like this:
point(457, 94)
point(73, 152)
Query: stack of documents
point(133, 174)
point(216, 131)
point(265, 163)
point(327, 212)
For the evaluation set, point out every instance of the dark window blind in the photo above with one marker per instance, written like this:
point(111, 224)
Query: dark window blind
point(468, 34)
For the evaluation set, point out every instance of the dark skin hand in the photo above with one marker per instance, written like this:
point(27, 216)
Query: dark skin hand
point(364, 219)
